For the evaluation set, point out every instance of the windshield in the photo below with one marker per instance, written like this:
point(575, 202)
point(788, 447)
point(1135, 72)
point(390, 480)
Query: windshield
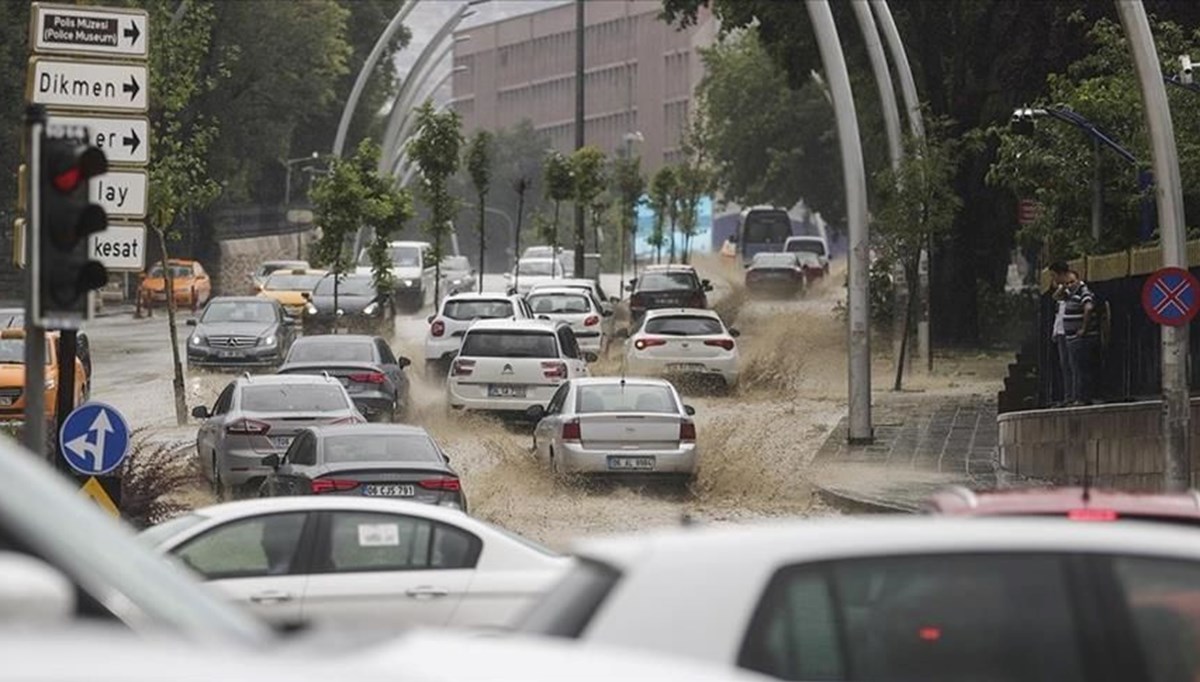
point(268, 268)
point(177, 271)
point(668, 281)
point(156, 535)
point(381, 447)
point(547, 304)
point(289, 282)
point(456, 263)
point(539, 268)
point(497, 343)
point(478, 310)
point(626, 398)
point(773, 260)
point(766, 227)
point(349, 286)
point(329, 351)
point(12, 352)
point(681, 325)
point(293, 398)
point(807, 246)
point(239, 311)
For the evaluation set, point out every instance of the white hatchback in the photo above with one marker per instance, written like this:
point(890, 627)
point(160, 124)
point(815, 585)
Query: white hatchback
point(511, 365)
point(531, 271)
point(455, 315)
point(684, 342)
point(576, 307)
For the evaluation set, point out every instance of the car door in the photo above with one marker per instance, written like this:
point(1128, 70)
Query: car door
point(379, 570)
point(209, 434)
point(287, 331)
point(259, 562)
point(390, 366)
point(548, 426)
point(290, 478)
point(569, 350)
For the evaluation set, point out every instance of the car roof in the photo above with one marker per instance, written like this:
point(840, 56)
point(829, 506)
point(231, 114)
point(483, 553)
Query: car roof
point(758, 545)
point(805, 237)
point(280, 379)
point(669, 267)
point(557, 289)
point(671, 312)
point(241, 299)
point(540, 259)
point(1039, 501)
point(369, 430)
point(421, 244)
point(507, 324)
point(335, 338)
point(568, 282)
point(477, 296)
point(286, 262)
point(265, 505)
point(639, 381)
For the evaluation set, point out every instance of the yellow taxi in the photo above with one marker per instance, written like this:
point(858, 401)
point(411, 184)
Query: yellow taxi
point(290, 288)
point(12, 375)
point(191, 284)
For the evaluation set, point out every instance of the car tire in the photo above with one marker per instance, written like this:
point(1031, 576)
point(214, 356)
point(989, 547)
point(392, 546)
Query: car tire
point(217, 483)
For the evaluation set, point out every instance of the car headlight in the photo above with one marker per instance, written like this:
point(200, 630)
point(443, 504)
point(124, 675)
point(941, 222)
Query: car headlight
point(269, 341)
point(407, 282)
point(339, 312)
point(371, 309)
point(457, 282)
point(310, 309)
point(50, 384)
point(197, 340)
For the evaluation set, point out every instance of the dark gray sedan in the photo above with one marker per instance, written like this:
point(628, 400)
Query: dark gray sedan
point(239, 331)
point(348, 302)
point(377, 460)
point(372, 374)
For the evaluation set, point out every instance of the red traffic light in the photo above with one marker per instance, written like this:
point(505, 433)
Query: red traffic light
point(68, 180)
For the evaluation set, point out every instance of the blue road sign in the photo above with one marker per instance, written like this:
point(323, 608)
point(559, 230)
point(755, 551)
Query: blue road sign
point(1171, 296)
point(94, 439)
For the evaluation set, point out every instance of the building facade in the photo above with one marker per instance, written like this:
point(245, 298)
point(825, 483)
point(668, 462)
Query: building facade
point(640, 76)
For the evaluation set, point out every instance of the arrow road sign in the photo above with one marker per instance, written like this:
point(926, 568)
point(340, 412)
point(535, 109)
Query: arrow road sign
point(121, 193)
point(88, 85)
point(90, 31)
point(125, 141)
point(94, 439)
point(120, 247)
point(1171, 296)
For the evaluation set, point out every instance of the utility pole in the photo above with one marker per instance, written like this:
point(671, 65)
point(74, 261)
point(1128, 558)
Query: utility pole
point(855, 178)
point(1168, 194)
point(580, 234)
point(35, 335)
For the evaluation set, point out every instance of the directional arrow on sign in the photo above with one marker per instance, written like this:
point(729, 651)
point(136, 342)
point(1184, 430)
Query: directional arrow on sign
point(131, 87)
point(131, 141)
point(132, 33)
point(125, 141)
point(106, 31)
point(93, 449)
point(87, 85)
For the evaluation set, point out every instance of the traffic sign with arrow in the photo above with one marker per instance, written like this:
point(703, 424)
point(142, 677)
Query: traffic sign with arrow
point(108, 31)
point(125, 141)
point(88, 85)
point(94, 439)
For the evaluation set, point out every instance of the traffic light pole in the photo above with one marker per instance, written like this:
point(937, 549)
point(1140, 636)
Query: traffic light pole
point(35, 337)
point(65, 396)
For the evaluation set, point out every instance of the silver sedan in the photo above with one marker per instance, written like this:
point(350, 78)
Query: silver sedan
point(612, 425)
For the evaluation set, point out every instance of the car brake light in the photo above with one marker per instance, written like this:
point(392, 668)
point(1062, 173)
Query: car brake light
point(462, 368)
point(643, 344)
point(331, 485)
point(1092, 515)
point(368, 378)
point(687, 432)
point(571, 431)
point(591, 321)
point(727, 344)
point(447, 484)
point(554, 369)
point(347, 420)
point(929, 633)
point(248, 427)
point(437, 328)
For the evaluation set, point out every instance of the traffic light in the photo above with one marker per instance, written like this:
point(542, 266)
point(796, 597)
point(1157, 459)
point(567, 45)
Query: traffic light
point(66, 272)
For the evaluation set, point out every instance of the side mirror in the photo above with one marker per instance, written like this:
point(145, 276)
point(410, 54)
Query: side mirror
point(191, 322)
point(34, 593)
point(445, 458)
point(590, 357)
point(507, 276)
point(706, 285)
point(535, 413)
point(430, 319)
point(306, 295)
point(734, 332)
point(691, 411)
point(606, 313)
point(614, 300)
point(272, 461)
point(403, 362)
point(200, 412)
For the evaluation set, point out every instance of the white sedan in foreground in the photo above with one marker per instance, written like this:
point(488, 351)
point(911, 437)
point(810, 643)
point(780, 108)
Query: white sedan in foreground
point(611, 425)
point(895, 599)
point(359, 562)
point(689, 343)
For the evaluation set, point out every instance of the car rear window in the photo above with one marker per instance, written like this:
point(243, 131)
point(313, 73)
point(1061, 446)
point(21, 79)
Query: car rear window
point(290, 282)
point(326, 351)
point(625, 398)
point(683, 325)
point(806, 246)
point(495, 343)
point(773, 260)
point(293, 398)
point(569, 606)
point(381, 447)
point(538, 268)
point(668, 281)
point(547, 304)
point(478, 310)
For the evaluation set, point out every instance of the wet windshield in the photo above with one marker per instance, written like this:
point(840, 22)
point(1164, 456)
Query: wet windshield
point(290, 282)
point(668, 281)
point(177, 271)
point(478, 310)
point(539, 268)
point(548, 304)
point(807, 245)
point(239, 311)
point(308, 350)
point(293, 398)
point(456, 263)
point(681, 325)
point(509, 344)
point(381, 447)
point(12, 352)
point(626, 398)
point(773, 260)
point(349, 286)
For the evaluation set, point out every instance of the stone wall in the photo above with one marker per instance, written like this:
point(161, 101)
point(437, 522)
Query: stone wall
point(1116, 445)
point(240, 257)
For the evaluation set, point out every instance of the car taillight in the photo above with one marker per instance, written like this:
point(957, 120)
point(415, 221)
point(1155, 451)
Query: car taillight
point(368, 378)
point(554, 369)
point(687, 432)
point(727, 344)
point(348, 420)
point(1092, 515)
point(591, 321)
point(437, 328)
point(462, 368)
point(251, 427)
point(637, 301)
point(447, 484)
point(571, 431)
point(331, 485)
point(699, 300)
point(643, 344)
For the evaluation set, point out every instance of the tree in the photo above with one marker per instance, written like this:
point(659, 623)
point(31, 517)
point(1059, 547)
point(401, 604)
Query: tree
point(479, 167)
point(588, 173)
point(559, 187)
point(662, 196)
point(628, 185)
point(386, 209)
point(435, 148)
point(339, 198)
point(694, 183)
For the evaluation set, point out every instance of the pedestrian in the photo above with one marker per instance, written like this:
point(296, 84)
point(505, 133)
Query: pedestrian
point(1081, 325)
point(1060, 274)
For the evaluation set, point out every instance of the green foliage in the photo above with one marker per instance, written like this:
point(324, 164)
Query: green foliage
point(14, 27)
point(663, 188)
point(478, 162)
point(628, 184)
point(436, 150)
point(559, 187)
point(588, 173)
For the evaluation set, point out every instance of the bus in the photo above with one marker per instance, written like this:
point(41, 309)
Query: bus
point(761, 228)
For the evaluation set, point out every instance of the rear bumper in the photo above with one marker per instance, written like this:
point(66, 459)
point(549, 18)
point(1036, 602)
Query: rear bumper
point(723, 369)
point(374, 404)
point(590, 343)
point(575, 458)
point(459, 399)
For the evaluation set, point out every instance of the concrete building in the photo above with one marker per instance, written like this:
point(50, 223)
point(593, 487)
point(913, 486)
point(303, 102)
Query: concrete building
point(640, 76)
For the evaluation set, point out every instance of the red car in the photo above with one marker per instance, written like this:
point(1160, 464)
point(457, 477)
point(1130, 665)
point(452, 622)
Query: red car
point(1072, 502)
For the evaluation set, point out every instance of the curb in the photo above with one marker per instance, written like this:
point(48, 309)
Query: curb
point(857, 504)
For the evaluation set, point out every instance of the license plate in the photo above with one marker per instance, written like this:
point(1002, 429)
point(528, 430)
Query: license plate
point(228, 354)
point(5, 401)
point(281, 442)
point(389, 490)
point(505, 391)
point(686, 367)
point(630, 463)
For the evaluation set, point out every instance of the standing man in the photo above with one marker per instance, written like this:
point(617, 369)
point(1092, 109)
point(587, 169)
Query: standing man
point(1060, 274)
point(1082, 327)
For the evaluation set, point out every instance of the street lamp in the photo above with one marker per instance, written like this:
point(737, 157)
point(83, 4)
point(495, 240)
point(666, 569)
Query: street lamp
point(287, 193)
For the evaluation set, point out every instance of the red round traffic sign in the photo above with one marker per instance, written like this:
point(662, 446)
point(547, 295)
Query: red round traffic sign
point(1171, 296)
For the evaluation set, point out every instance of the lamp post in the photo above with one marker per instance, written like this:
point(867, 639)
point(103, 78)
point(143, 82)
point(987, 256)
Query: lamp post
point(287, 193)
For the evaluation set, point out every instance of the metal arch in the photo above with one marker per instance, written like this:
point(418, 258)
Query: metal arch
point(407, 118)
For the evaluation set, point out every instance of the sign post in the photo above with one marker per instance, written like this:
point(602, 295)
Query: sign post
point(94, 440)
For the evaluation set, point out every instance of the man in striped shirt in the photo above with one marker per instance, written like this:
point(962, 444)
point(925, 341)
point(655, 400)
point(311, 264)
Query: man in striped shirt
point(1082, 330)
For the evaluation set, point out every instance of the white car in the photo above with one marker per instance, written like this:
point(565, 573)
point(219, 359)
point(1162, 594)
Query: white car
point(360, 562)
point(591, 285)
point(901, 598)
point(685, 342)
point(611, 425)
point(511, 365)
point(810, 244)
point(414, 280)
point(531, 271)
point(576, 307)
point(455, 315)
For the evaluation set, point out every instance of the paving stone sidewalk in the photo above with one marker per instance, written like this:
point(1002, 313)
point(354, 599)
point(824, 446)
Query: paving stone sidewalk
point(923, 442)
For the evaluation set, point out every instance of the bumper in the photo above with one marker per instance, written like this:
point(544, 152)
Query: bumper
point(207, 357)
point(325, 324)
point(575, 458)
point(723, 369)
point(458, 401)
point(374, 405)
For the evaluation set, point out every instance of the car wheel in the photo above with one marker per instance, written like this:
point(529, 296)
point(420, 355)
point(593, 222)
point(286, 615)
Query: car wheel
point(218, 484)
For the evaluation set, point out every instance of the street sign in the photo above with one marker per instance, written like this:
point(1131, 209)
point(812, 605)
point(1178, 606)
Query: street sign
point(96, 31)
point(121, 193)
point(121, 247)
point(94, 490)
point(94, 439)
point(125, 141)
point(88, 85)
point(1171, 296)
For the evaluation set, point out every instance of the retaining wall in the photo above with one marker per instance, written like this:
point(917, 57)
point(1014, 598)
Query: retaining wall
point(240, 257)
